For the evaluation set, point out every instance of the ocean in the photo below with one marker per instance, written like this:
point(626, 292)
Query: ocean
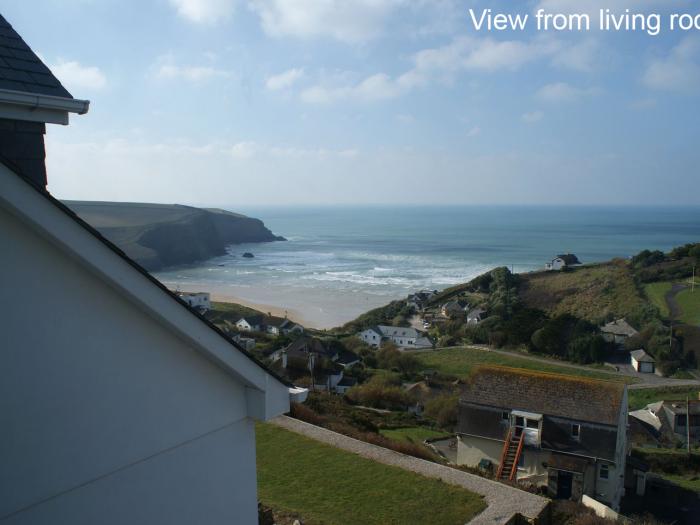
point(339, 262)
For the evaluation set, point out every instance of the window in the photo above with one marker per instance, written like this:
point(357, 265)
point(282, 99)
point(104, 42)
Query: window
point(533, 423)
point(576, 431)
point(604, 471)
point(519, 421)
point(505, 415)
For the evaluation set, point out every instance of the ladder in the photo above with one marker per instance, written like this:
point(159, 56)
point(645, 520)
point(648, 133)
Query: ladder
point(512, 449)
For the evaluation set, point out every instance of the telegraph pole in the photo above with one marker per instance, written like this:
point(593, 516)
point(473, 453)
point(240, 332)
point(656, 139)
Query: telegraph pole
point(687, 421)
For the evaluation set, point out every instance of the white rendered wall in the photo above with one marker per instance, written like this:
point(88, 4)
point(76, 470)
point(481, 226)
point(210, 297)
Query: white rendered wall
point(106, 416)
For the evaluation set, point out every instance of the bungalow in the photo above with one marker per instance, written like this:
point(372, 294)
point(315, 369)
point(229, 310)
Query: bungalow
point(562, 261)
point(564, 433)
point(247, 343)
point(668, 420)
point(420, 300)
point(403, 337)
point(250, 323)
point(454, 309)
point(345, 384)
point(281, 326)
point(200, 301)
point(124, 405)
point(618, 331)
point(642, 362)
point(476, 315)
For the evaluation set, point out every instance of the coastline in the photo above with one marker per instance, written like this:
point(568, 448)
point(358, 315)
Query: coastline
point(225, 296)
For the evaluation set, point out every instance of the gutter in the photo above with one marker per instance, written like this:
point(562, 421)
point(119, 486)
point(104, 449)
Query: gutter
point(39, 101)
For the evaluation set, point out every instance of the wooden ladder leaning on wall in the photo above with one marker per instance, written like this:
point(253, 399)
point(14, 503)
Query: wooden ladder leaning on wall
point(512, 448)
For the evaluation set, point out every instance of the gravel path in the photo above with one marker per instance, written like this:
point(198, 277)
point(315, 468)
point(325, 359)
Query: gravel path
point(503, 501)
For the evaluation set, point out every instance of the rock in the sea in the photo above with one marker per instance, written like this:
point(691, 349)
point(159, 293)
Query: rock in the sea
point(248, 255)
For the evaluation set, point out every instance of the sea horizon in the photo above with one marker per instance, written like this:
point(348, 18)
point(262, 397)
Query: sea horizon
point(341, 261)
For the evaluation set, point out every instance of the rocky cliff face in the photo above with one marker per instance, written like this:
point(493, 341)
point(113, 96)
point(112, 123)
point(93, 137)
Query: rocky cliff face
point(158, 236)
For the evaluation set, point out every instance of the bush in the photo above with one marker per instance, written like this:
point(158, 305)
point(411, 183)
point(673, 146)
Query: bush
point(443, 409)
point(379, 392)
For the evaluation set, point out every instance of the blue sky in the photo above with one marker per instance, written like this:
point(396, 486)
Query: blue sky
point(285, 102)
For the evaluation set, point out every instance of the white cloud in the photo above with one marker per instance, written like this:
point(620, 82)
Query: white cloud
point(284, 80)
point(581, 56)
point(204, 11)
point(562, 92)
point(375, 87)
point(166, 68)
point(679, 71)
point(345, 20)
point(474, 132)
point(532, 117)
point(76, 76)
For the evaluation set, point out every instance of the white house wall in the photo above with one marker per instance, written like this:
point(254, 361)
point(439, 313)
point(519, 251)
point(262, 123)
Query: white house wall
point(104, 411)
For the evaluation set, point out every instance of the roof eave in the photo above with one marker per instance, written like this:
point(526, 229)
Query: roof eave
point(35, 107)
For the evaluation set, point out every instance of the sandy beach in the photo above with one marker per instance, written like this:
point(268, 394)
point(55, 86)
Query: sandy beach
point(225, 295)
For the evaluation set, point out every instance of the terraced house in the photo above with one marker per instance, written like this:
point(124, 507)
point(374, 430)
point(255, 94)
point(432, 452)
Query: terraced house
point(562, 433)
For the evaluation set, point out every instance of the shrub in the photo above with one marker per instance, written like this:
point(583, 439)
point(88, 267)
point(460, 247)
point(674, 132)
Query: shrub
point(443, 409)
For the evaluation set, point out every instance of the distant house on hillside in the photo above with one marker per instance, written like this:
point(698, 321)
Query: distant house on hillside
point(120, 403)
point(268, 323)
point(420, 300)
point(642, 362)
point(564, 433)
point(250, 323)
point(454, 309)
point(562, 261)
point(281, 326)
point(403, 337)
point(668, 419)
point(308, 354)
point(200, 301)
point(618, 331)
point(475, 316)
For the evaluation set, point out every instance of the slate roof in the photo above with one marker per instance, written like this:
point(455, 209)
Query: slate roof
point(641, 356)
point(568, 258)
point(306, 345)
point(581, 399)
point(619, 327)
point(21, 69)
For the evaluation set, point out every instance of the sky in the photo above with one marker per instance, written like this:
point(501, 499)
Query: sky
point(362, 102)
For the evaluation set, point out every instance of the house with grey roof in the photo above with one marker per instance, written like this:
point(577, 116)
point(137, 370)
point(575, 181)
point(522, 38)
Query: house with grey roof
point(475, 316)
point(562, 261)
point(642, 362)
point(668, 420)
point(120, 402)
point(618, 331)
point(401, 336)
point(564, 433)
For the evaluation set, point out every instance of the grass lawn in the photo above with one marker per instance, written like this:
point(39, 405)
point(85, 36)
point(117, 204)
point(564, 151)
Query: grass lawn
point(641, 398)
point(689, 303)
point(331, 486)
point(414, 434)
point(673, 464)
point(690, 482)
point(461, 362)
point(656, 292)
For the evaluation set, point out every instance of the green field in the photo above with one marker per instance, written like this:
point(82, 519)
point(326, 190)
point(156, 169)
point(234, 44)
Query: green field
point(414, 434)
point(642, 397)
point(461, 362)
point(330, 486)
point(689, 303)
point(656, 293)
